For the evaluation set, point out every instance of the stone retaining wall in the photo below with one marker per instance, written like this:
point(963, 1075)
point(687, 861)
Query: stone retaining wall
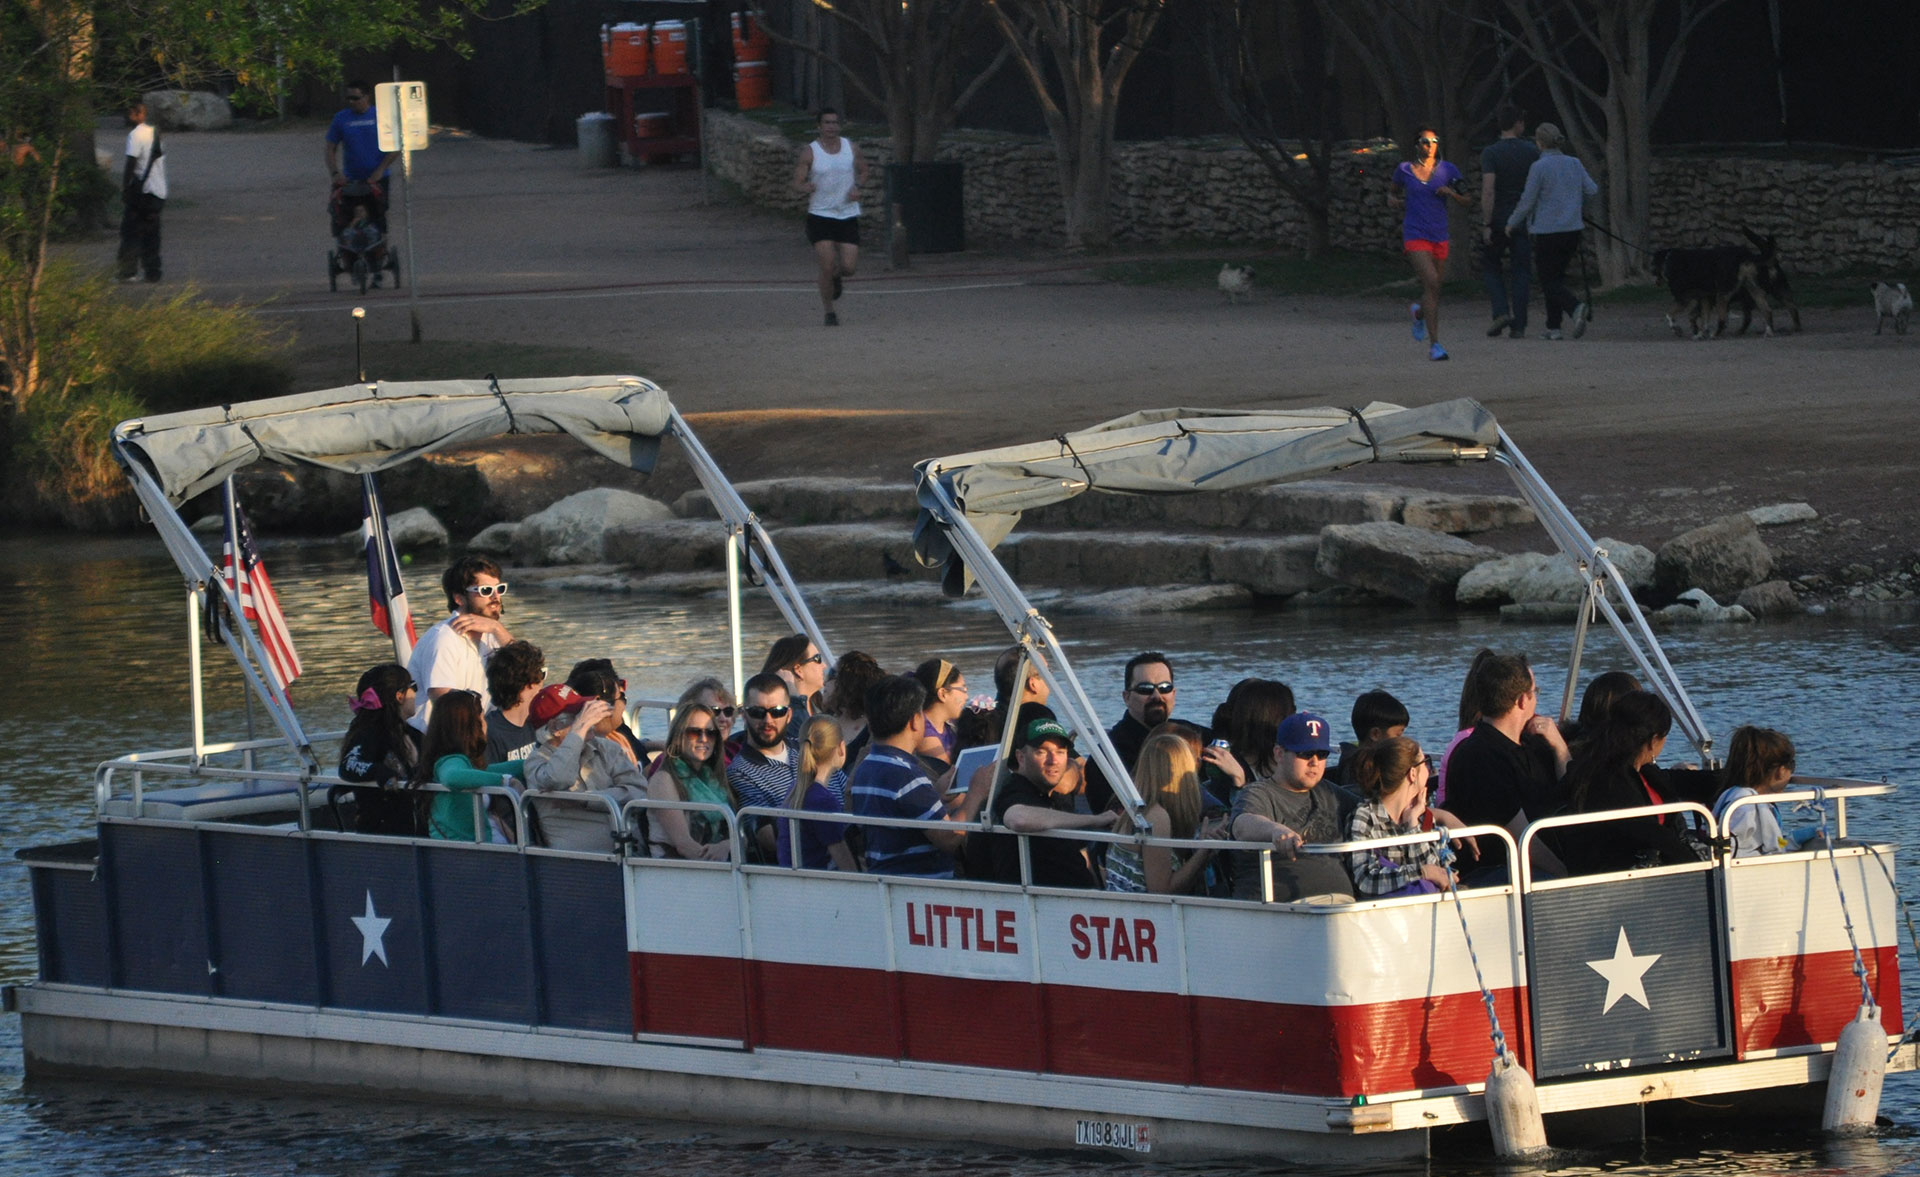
point(1826, 216)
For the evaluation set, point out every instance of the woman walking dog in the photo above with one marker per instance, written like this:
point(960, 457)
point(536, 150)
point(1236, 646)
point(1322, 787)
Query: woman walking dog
point(1427, 182)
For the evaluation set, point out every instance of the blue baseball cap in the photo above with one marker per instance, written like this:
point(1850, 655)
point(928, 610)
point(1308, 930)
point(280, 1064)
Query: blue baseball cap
point(1303, 732)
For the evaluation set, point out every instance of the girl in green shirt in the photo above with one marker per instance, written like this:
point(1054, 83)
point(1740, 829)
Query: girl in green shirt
point(452, 755)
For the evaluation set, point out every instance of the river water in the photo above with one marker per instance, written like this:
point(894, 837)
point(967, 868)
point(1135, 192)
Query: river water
point(99, 668)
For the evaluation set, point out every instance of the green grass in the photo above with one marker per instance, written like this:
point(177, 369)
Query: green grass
point(455, 359)
point(1339, 272)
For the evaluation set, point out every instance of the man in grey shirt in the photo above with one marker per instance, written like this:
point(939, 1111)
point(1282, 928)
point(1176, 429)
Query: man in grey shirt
point(1294, 806)
point(1503, 174)
point(1552, 207)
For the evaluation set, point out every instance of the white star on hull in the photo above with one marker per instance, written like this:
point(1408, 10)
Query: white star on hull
point(1625, 973)
point(373, 931)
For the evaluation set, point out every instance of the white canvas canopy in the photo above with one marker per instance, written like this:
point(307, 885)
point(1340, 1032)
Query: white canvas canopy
point(366, 428)
point(1187, 451)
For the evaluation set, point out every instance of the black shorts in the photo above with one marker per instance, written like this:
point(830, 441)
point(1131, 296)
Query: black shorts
point(846, 232)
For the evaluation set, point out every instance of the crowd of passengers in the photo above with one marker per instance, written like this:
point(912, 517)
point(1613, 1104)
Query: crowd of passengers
point(473, 710)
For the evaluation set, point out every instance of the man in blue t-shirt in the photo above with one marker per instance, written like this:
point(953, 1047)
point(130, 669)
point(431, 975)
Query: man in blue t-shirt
point(891, 782)
point(1503, 176)
point(353, 148)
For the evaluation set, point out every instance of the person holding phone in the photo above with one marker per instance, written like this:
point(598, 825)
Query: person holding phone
point(1424, 185)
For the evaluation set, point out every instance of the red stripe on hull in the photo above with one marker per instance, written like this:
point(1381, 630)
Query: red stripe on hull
point(694, 996)
point(1783, 1001)
point(1071, 1030)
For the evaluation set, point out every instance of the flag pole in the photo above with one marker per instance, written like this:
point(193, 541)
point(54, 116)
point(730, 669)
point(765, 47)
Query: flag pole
point(388, 563)
point(231, 503)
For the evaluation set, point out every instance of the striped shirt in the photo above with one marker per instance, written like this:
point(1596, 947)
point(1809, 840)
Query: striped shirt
point(757, 780)
point(891, 783)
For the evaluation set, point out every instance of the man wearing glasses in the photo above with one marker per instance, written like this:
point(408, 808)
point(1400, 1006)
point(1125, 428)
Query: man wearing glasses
point(353, 149)
point(1294, 807)
point(453, 655)
point(1149, 695)
point(763, 771)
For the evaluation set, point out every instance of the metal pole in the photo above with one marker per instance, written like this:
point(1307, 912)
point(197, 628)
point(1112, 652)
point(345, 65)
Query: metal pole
point(359, 368)
point(195, 700)
point(1020, 673)
point(1587, 610)
point(733, 612)
point(413, 265)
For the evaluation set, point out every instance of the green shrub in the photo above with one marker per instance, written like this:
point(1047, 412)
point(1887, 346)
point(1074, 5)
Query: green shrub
point(187, 353)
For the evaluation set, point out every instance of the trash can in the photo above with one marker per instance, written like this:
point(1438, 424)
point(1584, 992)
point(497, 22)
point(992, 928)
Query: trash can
point(595, 131)
point(931, 204)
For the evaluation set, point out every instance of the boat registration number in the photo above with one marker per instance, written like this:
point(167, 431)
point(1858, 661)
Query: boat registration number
point(1113, 1134)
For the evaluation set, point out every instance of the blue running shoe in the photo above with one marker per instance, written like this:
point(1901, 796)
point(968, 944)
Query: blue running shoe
point(1436, 352)
point(1419, 324)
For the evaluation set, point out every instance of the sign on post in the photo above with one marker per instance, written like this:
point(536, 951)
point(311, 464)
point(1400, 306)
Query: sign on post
point(400, 115)
point(400, 108)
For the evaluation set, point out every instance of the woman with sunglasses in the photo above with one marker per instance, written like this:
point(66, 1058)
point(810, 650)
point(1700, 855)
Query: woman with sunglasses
point(799, 662)
point(1425, 183)
point(712, 694)
point(946, 690)
point(692, 771)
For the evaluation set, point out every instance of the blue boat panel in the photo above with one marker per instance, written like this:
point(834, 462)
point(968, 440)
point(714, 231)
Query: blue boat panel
point(72, 923)
point(1627, 973)
point(580, 930)
point(372, 937)
point(477, 904)
point(158, 902)
point(262, 917)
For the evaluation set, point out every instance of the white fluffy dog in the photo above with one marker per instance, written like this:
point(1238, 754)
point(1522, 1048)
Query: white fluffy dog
point(1890, 301)
point(1236, 282)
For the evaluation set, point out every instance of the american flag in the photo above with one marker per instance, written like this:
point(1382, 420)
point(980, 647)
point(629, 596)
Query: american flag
point(384, 590)
point(251, 587)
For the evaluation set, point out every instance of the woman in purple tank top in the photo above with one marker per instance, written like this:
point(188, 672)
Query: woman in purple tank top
point(1425, 183)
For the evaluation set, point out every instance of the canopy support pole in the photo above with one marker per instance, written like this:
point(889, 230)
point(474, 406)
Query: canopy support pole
point(727, 501)
point(734, 541)
point(196, 697)
point(1035, 636)
point(1021, 669)
point(1587, 611)
point(1634, 632)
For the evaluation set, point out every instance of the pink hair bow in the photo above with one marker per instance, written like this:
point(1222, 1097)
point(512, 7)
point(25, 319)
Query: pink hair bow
point(368, 700)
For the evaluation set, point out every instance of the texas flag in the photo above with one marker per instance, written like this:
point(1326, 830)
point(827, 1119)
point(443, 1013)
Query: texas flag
point(387, 595)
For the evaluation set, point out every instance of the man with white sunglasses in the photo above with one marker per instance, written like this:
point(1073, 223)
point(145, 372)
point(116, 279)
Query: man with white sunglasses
point(453, 655)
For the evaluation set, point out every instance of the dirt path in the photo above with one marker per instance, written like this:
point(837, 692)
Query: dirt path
point(1643, 434)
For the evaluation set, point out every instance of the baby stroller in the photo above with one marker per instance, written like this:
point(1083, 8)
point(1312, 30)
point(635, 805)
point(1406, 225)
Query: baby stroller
point(359, 237)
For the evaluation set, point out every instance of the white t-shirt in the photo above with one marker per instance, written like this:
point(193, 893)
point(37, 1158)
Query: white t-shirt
point(443, 658)
point(140, 150)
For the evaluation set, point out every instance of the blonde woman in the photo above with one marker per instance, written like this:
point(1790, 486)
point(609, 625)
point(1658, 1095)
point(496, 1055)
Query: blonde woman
point(823, 844)
point(1168, 779)
point(692, 771)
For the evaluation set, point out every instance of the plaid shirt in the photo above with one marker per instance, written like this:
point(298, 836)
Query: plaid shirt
point(1385, 869)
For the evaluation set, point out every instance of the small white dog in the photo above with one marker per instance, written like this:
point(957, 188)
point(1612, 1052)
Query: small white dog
point(1890, 301)
point(1236, 282)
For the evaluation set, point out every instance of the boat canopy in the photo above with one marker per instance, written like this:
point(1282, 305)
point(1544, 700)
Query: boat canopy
point(1185, 451)
point(367, 428)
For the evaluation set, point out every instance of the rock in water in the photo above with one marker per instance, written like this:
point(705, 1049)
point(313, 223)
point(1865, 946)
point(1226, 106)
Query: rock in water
point(1722, 558)
point(574, 530)
point(1773, 598)
point(1410, 563)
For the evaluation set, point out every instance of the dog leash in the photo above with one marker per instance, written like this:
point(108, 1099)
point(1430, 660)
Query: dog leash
point(1597, 227)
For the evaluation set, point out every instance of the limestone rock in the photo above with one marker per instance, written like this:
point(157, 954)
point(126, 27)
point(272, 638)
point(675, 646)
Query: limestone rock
point(673, 545)
point(1539, 612)
point(1165, 598)
point(574, 530)
point(408, 530)
point(811, 500)
point(1277, 566)
point(209, 525)
point(494, 540)
point(1722, 558)
point(1492, 583)
point(1106, 558)
point(187, 110)
point(1559, 580)
point(1773, 598)
point(1410, 563)
point(1457, 514)
point(1306, 507)
point(1780, 513)
point(850, 551)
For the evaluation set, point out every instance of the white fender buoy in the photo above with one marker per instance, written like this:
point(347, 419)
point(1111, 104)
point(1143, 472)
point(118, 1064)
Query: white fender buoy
point(1513, 1113)
point(1859, 1068)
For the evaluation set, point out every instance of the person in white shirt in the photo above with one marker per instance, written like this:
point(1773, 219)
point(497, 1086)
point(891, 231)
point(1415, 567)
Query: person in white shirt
point(830, 172)
point(143, 193)
point(453, 655)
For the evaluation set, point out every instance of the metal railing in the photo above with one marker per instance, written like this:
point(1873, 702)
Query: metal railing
point(1833, 788)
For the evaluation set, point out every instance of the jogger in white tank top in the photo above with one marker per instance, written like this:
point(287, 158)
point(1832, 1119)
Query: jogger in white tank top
point(831, 171)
